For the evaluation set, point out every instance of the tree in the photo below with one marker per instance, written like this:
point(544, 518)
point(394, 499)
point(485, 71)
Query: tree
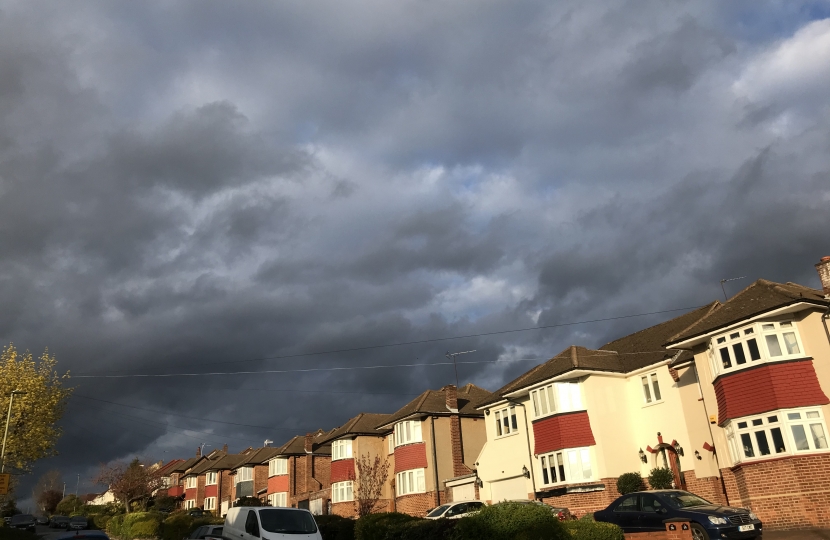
point(48, 501)
point(69, 505)
point(50, 481)
point(33, 429)
point(130, 483)
point(371, 477)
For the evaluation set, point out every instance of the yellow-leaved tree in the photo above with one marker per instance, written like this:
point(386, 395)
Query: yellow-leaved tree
point(33, 429)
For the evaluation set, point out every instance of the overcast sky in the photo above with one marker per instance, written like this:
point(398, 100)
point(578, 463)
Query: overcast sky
point(186, 187)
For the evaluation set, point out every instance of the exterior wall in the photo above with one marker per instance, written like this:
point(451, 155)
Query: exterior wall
point(418, 504)
point(345, 509)
point(309, 478)
point(697, 424)
point(260, 479)
point(212, 490)
point(225, 488)
point(343, 470)
point(278, 484)
point(503, 457)
point(191, 494)
point(473, 438)
point(582, 503)
point(564, 430)
point(411, 456)
point(200, 491)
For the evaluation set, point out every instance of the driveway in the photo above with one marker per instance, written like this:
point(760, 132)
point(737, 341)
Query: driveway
point(811, 534)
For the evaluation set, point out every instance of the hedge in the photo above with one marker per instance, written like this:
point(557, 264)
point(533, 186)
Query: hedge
point(381, 526)
point(135, 526)
point(593, 530)
point(180, 525)
point(512, 521)
point(334, 527)
point(426, 529)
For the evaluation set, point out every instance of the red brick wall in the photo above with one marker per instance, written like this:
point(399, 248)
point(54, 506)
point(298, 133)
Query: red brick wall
point(278, 484)
point(345, 509)
point(200, 491)
point(786, 493)
point(191, 493)
point(766, 388)
point(411, 456)
point(260, 478)
point(567, 430)
point(417, 504)
point(225, 481)
point(709, 487)
point(342, 470)
point(582, 503)
point(211, 491)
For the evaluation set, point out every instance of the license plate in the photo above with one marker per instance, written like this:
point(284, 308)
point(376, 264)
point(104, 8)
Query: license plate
point(750, 527)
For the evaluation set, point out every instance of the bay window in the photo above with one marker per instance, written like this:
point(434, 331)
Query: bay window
point(245, 474)
point(278, 500)
point(412, 481)
point(342, 492)
point(341, 449)
point(210, 478)
point(190, 482)
point(506, 421)
point(566, 466)
point(210, 503)
point(277, 466)
point(556, 398)
point(190, 503)
point(408, 432)
point(755, 344)
point(776, 433)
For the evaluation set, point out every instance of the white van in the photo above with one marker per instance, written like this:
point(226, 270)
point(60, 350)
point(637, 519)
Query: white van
point(268, 523)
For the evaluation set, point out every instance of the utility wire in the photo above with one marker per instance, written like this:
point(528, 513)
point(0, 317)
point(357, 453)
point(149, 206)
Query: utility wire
point(434, 340)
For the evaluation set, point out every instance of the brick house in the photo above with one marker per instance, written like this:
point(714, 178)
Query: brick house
point(299, 473)
point(166, 473)
point(563, 432)
point(175, 479)
point(249, 475)
point(763, 362)
point(196, 481)
point(434, 438)
point(358, 438)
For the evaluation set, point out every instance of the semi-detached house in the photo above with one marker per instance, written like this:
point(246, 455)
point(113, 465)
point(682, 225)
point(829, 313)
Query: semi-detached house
point(299, 473)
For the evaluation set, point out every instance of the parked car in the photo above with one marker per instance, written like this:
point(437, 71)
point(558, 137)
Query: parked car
point(59, 522)
point(23, 521)
point(78, 535)
point(78, 523)
point(645, 511)
point(198, 512)
point(455, 510)
point(206, 530)
point(246, 522)
point(42, 520)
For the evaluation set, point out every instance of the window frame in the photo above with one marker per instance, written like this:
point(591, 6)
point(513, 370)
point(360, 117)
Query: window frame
point(743, 430)
point(410, 482)
point(564, 466)
point(211, 475)
point(733, 347)
point(556, 397)
point(650, 387)
point(278, 499)
point(244, 474)
point(210, 503)
point(191, 480)
point(341, 449)
point(342, 491)
point(408, 432)
point(274, 470)
point(506, 421)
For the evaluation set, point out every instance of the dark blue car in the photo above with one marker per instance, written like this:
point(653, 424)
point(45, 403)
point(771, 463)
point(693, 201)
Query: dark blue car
point(645, 511)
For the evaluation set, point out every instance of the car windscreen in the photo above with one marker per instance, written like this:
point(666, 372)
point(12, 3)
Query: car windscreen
point(438, 511)
point(22, 518)
point(685, 500)
point(287, 521)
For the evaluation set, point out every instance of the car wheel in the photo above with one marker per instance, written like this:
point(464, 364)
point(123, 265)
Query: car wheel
point(699, 533)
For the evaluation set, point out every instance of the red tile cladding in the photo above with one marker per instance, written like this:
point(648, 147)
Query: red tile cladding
point(278, 484)
point(190, 493)
point(175, 491)
point(567, 430)
point(342, 470)
point(211, 491)
point(768, 387)
point(411, 456)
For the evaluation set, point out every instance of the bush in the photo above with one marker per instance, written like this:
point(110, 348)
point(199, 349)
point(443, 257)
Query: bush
point(335, 527)
point(630, 482)
point(69, 506)
point(512, 521)
point(100, 521)
point(176, 527)
point(426, 529)
point(660, 478)
point(594, 530)
point(380, 526)
point(587, 517)
point(115, 526)
point(141, 525)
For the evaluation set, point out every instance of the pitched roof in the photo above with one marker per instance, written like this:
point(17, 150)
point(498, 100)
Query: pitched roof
point(622, 355)
point(186, 464)
point(170, 467)
point(760, 297)
point(219, 462)
point(435, 402)
point(362, 424)
point(296, 445)
point(259, 456)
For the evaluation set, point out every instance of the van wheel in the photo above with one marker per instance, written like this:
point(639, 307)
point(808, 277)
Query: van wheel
point(699, 533)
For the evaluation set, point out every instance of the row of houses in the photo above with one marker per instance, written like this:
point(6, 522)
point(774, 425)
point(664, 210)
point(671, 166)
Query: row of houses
point(731, 397)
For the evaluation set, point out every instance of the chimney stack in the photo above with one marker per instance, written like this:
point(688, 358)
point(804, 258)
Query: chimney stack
point(309, 441)
point(225, 448)
point(198, 451)
point(823, 268)
point(451, 394)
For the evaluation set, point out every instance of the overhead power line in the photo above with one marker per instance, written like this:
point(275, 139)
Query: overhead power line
point(116, 374)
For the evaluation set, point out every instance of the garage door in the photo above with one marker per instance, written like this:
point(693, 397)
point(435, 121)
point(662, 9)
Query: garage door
point(509, 490)
point(466, 492)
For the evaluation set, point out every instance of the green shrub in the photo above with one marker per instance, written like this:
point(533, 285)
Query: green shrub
point(115, 527)
point(380, 526)
point(176, 527)
point(425, 529)
point(593, 530)
point(335, 527)
point(141, 525)
point(660, 478)
point(511, 521)
point(99, 521)
point(630, 482)
point(587, 517)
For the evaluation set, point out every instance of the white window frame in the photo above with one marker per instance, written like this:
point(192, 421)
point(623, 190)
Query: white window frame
point(408, 432)
point(506, 421)
point(211, 478)
point(191, 482)
point(189, 503)
point(746, 444)
point(411, 481)
point(559, 397)
point(210, 503)
point(650, 384)
point(754, 344)
point(575, 464)
point(244, 474)
point(341, 449)
point(277, 466)
point(391, 442)
point(279, 499)
point(342, 492)
point(315, 506)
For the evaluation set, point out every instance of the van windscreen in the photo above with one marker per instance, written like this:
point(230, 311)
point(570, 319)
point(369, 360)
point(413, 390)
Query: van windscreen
point(287, 521)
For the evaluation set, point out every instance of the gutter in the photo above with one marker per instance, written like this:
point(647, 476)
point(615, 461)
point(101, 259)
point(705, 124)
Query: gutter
point(824, 322)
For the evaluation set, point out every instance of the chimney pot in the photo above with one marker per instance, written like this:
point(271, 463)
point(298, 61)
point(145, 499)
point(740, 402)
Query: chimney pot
point(451, 394)
point(198, 451)
point(823, 268)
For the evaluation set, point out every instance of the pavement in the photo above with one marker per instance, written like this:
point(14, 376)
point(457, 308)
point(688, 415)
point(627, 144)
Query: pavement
point(810, 534)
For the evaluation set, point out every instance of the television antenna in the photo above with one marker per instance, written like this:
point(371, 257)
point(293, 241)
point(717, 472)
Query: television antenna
point(267, 442)
point(727, 281)
point(452, 356)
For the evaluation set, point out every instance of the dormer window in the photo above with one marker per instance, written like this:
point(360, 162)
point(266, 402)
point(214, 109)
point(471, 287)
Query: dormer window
point(755, 344)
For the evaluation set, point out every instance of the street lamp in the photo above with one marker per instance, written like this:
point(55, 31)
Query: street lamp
point(8, 417)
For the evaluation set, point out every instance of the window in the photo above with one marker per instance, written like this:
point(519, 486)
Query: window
point(757, 343)
point(244, 474)
point(190, 503)
point(278, 500)
point(277, 466)
point(341, 492)
point(210, 478)
point(556, 397)
point(410, 482)
point(190, 482)
point(315, 506)
point(776, 433)
point(651, 388)
point(210, 503)
point(571, 466)
point(629, 504)
point(252, 524)
point(341, 449)
point(391, 439)
point(408, 432)
point(506, 421)
point(165, 482)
